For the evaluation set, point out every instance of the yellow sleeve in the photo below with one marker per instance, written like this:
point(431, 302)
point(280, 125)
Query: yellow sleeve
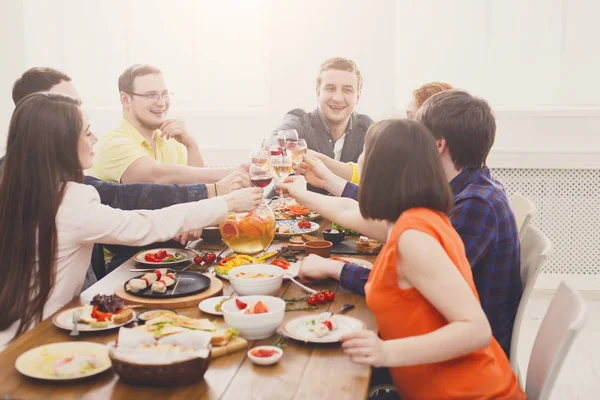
point(181, 154)
point(355, 174)
point(115, 155)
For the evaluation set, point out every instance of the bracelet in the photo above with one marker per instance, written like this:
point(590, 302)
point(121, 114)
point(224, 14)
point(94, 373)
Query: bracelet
point(216, 193)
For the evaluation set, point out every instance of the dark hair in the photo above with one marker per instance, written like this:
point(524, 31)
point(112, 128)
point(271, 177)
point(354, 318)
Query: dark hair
point(465, 122)
point(127, 78)
point(37, 79)
point(402, 170)
point(36, 170)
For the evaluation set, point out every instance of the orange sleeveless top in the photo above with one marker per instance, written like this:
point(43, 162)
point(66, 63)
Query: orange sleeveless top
point(400, 313)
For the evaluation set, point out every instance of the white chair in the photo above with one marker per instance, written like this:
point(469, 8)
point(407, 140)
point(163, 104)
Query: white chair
point(524, 210)
point(535, 248)
point(564, 319)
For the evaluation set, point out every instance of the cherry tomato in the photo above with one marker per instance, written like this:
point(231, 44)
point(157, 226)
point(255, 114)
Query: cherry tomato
point(99, 315)
point(240, 304)
point(321, 298)
point(329, 295)
point(210, 258)
point(197, 260)
point(160, 254)
point(312, 300)
point(304, 224)
point(328, 325)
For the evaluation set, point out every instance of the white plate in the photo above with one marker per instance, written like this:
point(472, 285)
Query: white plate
point(32, 362)
point(64, 320)
point(189, 255)
point(292, 270)
point(356, 261)
point(208, 305)
point(294, 229)
point(299, 329)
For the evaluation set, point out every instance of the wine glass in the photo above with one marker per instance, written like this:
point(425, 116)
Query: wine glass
point(272, 146)
point(286, 135)
point(295, 149)
point(260, 157)
point(282, 166)
point(260, 175)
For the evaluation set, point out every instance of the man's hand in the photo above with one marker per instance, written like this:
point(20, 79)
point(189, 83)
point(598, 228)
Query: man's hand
point(316, 268)
point(176, 129)
point(294, 185)
point(234, 181)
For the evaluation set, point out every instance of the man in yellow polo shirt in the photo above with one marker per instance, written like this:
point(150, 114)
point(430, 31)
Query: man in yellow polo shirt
point(146, 146)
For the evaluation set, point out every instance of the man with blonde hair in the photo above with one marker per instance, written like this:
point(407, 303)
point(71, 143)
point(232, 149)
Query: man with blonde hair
point(333, 128)
point(146, 146)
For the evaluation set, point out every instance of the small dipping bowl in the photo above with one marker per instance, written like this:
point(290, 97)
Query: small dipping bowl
point(334, 238)
point(319, 247)
point(270, 360)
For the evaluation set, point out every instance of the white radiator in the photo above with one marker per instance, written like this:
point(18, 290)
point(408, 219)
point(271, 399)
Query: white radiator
point(568, 213)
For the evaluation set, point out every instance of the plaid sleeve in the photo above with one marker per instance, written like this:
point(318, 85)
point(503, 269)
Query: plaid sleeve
point(350, 191)
point(354, 278)
point(475, 222)
point(145, 196)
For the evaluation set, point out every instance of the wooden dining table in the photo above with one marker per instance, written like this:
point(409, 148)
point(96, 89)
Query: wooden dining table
point(306, 371)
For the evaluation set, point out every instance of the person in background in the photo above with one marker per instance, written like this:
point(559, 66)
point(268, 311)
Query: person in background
point(464, 128)
point(333, 128)
point(135, 196)
point(146, 146)
point(350, 171)
point(49, 225)
point(434, 336)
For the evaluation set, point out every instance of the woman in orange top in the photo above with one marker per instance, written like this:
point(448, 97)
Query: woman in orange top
point(435, 338)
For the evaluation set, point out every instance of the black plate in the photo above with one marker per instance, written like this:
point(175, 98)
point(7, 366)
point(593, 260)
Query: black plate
point(190, 283)
point(349, 247)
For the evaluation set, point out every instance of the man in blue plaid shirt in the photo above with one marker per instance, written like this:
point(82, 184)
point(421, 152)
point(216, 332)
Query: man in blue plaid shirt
point(464, 127)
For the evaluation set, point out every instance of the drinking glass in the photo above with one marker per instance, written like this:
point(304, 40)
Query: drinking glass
point(295, 149)
point(260, 175)
point(282, 166)
point(286, 135)
point(260, 157)
point(273, 147)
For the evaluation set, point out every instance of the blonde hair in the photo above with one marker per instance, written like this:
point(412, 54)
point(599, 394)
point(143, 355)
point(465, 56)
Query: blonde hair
point(341, 64)
point(427, 90)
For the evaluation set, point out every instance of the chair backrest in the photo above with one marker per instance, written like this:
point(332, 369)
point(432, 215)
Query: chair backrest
point(564, 319)
point(524, 210)
point(535, 248)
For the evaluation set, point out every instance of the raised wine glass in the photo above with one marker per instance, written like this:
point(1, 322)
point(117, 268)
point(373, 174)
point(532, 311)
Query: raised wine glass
point(286, 135)
point(295, 149)
point(260, 157)
point(282, 167)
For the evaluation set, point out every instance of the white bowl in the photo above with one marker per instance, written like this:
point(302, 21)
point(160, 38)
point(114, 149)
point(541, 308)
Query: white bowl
point(256, 286)
point(265, 360)
point(254, 326)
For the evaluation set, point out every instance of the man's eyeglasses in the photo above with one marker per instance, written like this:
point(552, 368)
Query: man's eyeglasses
point(155, 96)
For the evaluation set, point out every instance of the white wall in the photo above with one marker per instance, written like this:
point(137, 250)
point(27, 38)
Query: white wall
point(237, 66)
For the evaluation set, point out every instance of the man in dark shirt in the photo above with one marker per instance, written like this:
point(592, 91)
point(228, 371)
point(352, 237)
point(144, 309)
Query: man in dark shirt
point(136, 196)
point(465, 130)
point(333, 128)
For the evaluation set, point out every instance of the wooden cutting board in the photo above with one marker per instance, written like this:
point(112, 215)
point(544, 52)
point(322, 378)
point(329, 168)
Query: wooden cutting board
point(349, 247)
point(216, 288)
point(235, 344)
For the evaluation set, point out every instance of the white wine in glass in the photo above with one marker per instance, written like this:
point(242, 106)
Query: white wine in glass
point(282, 167)
point(295, 150)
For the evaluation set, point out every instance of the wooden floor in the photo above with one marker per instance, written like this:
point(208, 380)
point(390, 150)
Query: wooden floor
point(580, 375)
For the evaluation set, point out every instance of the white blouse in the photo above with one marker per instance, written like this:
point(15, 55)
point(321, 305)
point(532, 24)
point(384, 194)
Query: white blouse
point(82, 220)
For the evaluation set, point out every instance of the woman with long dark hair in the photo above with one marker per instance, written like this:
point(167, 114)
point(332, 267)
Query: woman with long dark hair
point(49, 220)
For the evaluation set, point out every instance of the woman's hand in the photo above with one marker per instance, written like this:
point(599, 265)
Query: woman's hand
point(315, 172)
point(365, 347)
point(316, 268)
point(294, 185)
point(244, 200)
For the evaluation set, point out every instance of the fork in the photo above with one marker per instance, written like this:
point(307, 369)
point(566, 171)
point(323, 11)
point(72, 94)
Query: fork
point(309, 290)
point(76, 317)
point(324, 316)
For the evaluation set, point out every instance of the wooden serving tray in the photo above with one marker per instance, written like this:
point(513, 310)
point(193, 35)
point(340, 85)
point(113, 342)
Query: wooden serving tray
point(216, 288)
